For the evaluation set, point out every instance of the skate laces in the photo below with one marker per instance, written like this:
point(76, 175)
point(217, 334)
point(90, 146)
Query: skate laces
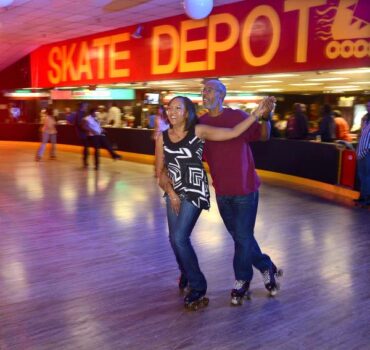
point(238, 284)
point(266, 277)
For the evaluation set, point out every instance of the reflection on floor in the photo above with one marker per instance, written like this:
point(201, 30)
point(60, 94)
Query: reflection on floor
point(85, 263)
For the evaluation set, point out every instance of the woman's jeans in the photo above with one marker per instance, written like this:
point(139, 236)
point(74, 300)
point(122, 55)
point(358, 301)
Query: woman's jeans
point(180, 228)
point(239, 215)
point(363, 166)
point(44, 140)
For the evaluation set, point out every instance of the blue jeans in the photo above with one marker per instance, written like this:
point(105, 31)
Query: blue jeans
point(45, 137)
point(364, 175)
point(180, 228)
point(239, 216)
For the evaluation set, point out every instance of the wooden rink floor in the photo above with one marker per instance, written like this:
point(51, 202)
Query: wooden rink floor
point(85, 263)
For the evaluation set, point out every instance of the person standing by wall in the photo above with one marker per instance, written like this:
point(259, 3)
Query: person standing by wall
point(297, 126)
point(341, 127)
point(236, 184)
point(327, 125)
point(363, 159)
point(48, 132)
point(114, 116)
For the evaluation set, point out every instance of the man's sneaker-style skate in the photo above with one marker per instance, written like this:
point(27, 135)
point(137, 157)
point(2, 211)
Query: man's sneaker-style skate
point(270, 277)
point(195, 299)
point(240, 290)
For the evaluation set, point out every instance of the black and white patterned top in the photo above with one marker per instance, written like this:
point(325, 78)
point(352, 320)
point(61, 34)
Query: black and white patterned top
point(183, 160)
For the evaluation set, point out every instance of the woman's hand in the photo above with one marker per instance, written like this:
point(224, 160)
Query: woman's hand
point(175, 203)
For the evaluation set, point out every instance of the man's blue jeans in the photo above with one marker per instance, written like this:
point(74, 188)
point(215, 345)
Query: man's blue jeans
point(180, 228)
point(363, 166)
point(239, 215)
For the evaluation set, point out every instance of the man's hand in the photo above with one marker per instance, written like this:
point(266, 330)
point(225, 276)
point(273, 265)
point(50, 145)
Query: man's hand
point(265, 107)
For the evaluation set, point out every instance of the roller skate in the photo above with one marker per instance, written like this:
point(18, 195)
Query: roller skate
point(240, 290)
point(183, 283)
point(195, 300)
point(270, 278)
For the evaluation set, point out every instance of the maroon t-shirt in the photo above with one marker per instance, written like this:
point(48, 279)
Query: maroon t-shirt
point(231, 162)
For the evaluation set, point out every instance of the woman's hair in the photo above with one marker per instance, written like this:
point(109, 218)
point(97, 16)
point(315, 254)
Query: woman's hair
point(192, 118)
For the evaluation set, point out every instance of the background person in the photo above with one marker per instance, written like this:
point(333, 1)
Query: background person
point(363, 159)
point(327, 125)
point(297, 126)
point(97, 138)
point(341, 127)
point(48, 132)
point(161, 122)
point(114, 116)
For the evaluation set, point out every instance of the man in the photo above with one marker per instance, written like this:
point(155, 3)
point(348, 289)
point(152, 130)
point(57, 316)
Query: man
point(236, 185)
point(297, 127)
point(96, 137)
point(363, 159)
point(77, 121)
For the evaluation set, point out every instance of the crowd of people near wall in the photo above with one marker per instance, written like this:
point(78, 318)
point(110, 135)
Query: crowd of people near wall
point(329, 127)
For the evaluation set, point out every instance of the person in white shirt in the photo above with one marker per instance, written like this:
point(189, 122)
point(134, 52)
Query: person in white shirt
point(114, 116)
point(97, 138)
point(102, 115)
point(15, 113)
point(48, 132)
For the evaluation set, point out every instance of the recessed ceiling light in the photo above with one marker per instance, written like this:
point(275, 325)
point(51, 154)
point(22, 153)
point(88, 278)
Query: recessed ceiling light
point(326, 79)
point(352, 71)
point(342, 87)
point(305, 84)
point(254, 86)
point(164, 82)
point(270, 90)
point(264, 81)
point(280, 75)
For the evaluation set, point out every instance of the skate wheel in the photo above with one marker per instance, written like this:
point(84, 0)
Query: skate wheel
point(236, 301)
point(205, 301)
point(273, 292)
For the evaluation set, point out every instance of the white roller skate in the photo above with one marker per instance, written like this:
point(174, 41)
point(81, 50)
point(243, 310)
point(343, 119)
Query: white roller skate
point(270, 279)
point(239, 292)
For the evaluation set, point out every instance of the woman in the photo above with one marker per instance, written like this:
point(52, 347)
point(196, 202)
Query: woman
point(179, 149)
point(48, 132)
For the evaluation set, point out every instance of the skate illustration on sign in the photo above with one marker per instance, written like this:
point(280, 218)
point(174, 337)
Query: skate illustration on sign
point(347, 26)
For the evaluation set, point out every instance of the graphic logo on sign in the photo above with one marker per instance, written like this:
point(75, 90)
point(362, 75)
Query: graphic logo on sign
point(347, 26)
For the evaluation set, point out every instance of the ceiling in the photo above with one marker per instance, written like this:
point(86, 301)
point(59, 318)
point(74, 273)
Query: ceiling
point(27, 24)
point(335, 81)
